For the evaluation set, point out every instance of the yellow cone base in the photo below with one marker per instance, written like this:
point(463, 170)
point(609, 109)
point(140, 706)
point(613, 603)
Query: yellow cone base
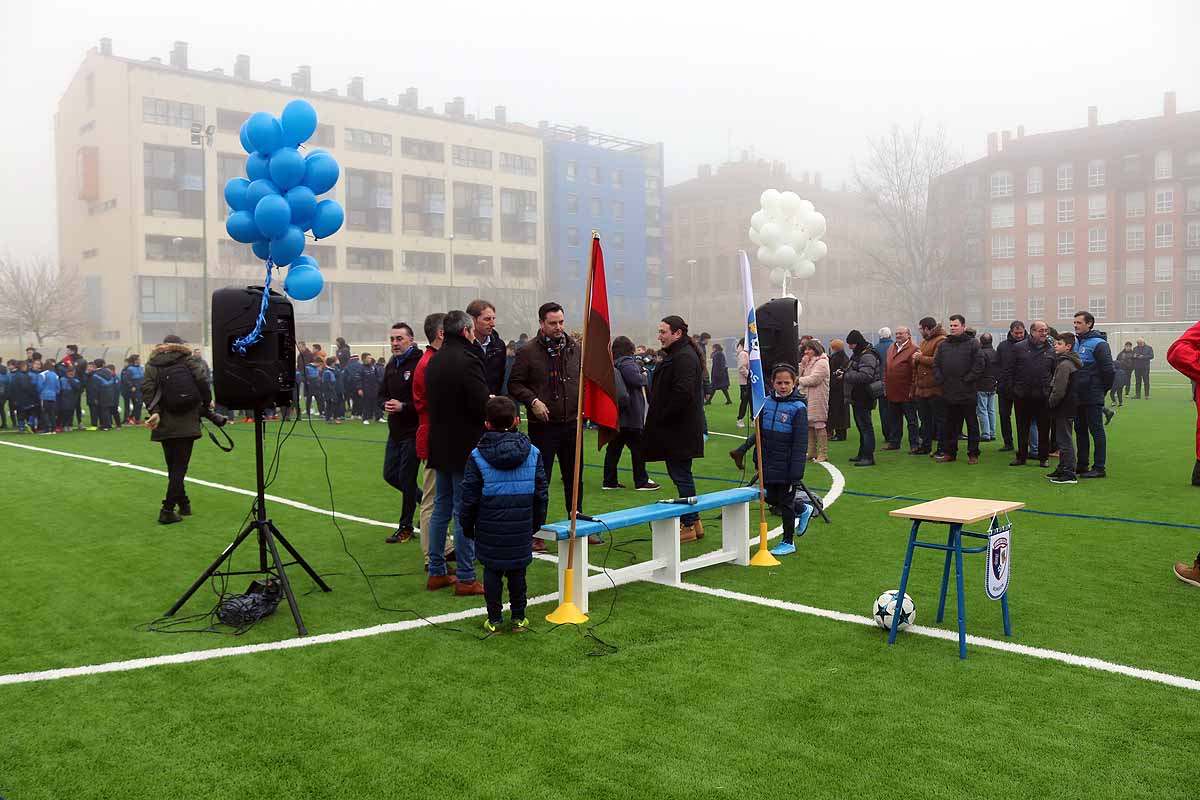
point(567, 612)
point(763, 557)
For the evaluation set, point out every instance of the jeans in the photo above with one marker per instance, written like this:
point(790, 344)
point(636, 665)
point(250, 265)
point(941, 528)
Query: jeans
point(1142, 376)
point(956, 415)
point(1090, 420)
point(932, 411)
point(493, 592)
point(557, 439)
point(866, 433)
point(177, 453)
point(985, 409)
point(1066, 447)
point(681, 475)
point(400, 472)
point(445, 506)
point(1032, 412)
point(904, 415)
point(612, 456)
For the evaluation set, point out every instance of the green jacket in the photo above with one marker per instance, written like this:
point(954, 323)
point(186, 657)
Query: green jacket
point(174, 424)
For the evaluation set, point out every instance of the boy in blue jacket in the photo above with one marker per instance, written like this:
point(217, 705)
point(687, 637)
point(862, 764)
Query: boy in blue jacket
point(69, 387)
point(47, 383)
point(104, 384)
point(24, 389)
point(784, 422)
point(132, 376)
point(504, 498)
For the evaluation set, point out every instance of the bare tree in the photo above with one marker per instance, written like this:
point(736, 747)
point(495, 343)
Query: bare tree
point(40, 298)
point(909, 256)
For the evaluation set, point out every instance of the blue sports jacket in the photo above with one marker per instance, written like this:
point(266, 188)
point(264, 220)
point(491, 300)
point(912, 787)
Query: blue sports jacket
point(504, 498)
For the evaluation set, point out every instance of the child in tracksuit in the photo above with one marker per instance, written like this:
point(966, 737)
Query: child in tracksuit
point(312, 386)
point(784, 423)
point(24, 388)
point(504, 498)
point(104, 383)
point(69, 387)
point(47, 383)
point(1064, 405)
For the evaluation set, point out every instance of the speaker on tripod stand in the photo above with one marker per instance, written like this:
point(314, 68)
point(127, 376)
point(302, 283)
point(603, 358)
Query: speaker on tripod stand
point(778, 333)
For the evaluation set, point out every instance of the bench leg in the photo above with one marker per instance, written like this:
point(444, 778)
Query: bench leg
point(1004, 609)
point(912, 538)
point(579, 589)
point(956, 534)
point(735, 532)
point(666, 548)
point(945, 575)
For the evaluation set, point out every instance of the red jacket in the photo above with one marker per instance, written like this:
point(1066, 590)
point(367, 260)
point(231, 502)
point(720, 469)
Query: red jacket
point(1184, 355)
point(898, 372)
point(418, 391)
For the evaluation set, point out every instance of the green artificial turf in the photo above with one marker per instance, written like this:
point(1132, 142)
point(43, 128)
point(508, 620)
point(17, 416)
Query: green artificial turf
point(702, 697)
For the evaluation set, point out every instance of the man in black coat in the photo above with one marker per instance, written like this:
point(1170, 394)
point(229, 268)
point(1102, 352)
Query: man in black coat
point(489, 345)
point(864, 369)
point(1143, 354)
point(400, 460)
point(1004, 357)
point(1029, 375)
point(957, 367)
point(456, 395)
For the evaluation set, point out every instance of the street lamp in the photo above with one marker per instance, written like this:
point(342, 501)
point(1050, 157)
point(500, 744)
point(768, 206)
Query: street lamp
point(178, 240)
point(203, 138)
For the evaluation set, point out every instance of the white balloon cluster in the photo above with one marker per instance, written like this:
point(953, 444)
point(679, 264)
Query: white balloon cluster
point(788, 231)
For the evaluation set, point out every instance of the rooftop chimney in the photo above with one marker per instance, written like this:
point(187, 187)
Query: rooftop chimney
point(582, 134)
point(993, 145)
point(501, 115)
point(1169, 104)
point(1005, 138)
point(354, 89)
point(456, 108)
point(106, 46)
point(409, 101)
point(1020, 131)
point(241, 68)
point(302, 78)
point(179, 55)
point(817, 179)
point(806, 177)
point(705, 171)
point(1093, 116)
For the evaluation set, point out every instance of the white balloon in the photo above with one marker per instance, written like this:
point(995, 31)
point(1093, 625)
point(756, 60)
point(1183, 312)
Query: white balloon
point(777, 275)
point(758, 219)
point(816, 250)
point(769, 199)
point(771, 234)
point(805, 208)
point(815, 225)
point(764, 255)
point(804, 269)
point(754, 237)
point(798, 239)
point(789, 203)
point(785, 255)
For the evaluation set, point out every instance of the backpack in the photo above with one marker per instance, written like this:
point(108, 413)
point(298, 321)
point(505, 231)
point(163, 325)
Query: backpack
point(177, 387)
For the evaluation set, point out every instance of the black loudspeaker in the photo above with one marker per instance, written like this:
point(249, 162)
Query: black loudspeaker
point(266, 374)
point(778, 334)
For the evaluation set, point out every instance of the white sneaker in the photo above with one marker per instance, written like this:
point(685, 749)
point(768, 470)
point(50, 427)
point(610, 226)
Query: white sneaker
point(741, 424)
point(366, 422)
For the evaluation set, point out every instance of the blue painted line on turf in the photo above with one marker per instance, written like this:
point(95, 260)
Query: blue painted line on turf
point(1062, 514)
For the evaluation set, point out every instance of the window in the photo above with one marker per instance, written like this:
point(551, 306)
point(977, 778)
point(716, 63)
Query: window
point(1162, 165)
point(1037, 276)
point(1164, 269)
point(1003, 308)
point(1193, 199)
point(653, 217)
point(1098, 305)
point(618, 179)
point(473, 157)
point(1066, 209)
point(519, 267)
point(368, 141)
point(618, 241)
point(1162, 303)
point(466, 264)
point(1003, 246)
point(572, 169)
point(1035, 212)
point(1164, 234)
point(1135, 204)
point(1135, 306)
point(324, 254)
point(1135, 272)
point(1066, 243)
point(1095, 173)
point(618, 271)
point(1193, 234)
point(173, 181)
point(971, 188)
point(426, 262)
point(473, 212)
point(1035, 243)
point(572, 204)
point(369, 200)
point(1164, 201)
point(518, 216)
point(323, 136)
point(1193, 304)
point(596, 207)
point(1004, 277)
point(171, 112)
point(368, 259)
point(594, 175)
point(1193, 269)
point(1002, 215)
point(422, 150)
point(1135, 238)
point(163, 248)
point(1033, 180)
point(1066, 307)
point(574, 269)
point(572, 237)
point(1065, 174)
point(163, 295)
point(652, 183)
point(515, 164)
point(424, 206)
point(1097, 239)
point(231, 121)
point(1097, 273)
point(1036, 308)
point(1097, 206)
point(618, 210)
point(1002, 184)
point(1066, 274)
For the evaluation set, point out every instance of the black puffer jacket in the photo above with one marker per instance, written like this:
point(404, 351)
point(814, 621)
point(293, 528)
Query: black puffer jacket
point(633, 409)
point(990, 379)
point(398, 385)
point(1030, 371)
point(957, 367)
point(675, 419)
point(863, 370)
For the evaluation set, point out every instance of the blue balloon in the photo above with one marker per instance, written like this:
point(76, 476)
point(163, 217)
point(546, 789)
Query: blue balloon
point(303, 282)
point(305, 259)
point(241, 228)
point(286, 167)
point(328, 219)
point(235, 194)
point(264, 132)
point(299, 121)
point(320, 172)
point(303, 204)
point(272, 215)
point(286, 248)
point(262, 248)
point(257, 190)
point(247, 145)
point(257, 167)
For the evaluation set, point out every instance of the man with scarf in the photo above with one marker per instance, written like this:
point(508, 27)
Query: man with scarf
point(400, 461)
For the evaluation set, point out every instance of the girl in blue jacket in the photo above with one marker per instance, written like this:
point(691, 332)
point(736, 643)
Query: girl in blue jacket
point(784, 421)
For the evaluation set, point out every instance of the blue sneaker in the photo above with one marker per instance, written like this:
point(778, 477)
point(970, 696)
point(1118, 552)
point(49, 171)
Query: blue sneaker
point(802, 518)
point(783, 549)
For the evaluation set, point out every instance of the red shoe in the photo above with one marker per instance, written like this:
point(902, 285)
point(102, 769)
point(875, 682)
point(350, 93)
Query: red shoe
point(467, 588)
point(435, 582)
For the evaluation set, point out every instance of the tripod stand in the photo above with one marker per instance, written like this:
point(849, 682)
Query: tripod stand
point(268, 535)
point(815, 501)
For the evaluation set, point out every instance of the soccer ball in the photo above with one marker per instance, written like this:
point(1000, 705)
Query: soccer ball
point(885, 607)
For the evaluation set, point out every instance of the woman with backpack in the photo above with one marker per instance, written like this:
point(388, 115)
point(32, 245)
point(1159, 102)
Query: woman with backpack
point(176, 390)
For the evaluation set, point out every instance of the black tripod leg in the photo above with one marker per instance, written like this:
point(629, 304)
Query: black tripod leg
point(208, 573)
point(299, 559)
point(287, 586)
point(816, 502)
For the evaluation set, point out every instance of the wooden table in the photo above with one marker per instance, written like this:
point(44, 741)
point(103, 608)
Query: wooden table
point(954, 512)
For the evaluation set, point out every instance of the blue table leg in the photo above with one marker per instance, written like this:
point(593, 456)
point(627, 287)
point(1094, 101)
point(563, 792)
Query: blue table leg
point(912, 538)
point(945, 575)
point(956, 535)
point(1004, 608)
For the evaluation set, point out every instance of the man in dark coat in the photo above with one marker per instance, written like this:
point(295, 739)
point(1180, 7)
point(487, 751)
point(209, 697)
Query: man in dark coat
point(456, 395)
point(173, 422)
point(985, 407)
point(1095, 380)
point(719, 379)
point(1124, 374)
point(675, 421)
point(839, 413)
point(864, 369)
point(488, 344)
point(1143, 354)
point(400, 460)
point(1028, 374)
point(957, 367)
point(1004, 357)
point(887, 418)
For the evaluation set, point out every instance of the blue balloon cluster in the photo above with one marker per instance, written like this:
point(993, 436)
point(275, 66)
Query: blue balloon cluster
point(276, 202)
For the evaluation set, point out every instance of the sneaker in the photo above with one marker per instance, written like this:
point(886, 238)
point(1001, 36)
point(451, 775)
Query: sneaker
point(520, 625)
point(803, 518)
point(739, 459)
point(1065, 477)
point(867, 462)
point(945, 458)
point(1044, 463)
point(167, 516)
point(400, 535)
point(1189, 574)
point(972, 459)
point(491, 627)
point(890, 446)
point(648, 486)
point(468, 588)
point(1017, 462)
point(741, 424)
point(1108, 415)
point(185, 508)
point(366, 422)
point(608, 487)
point(1057, 471)
point(1093, 473)
point(783, 549)
point(435, 582)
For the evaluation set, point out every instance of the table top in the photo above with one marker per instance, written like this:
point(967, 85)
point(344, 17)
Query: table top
point(963, 510)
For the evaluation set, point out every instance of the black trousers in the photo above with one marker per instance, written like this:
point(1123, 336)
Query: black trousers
point(400, 471)
point(932, 411)
point(956, 414)
point(557, 440)
point(631, 438)
point(1030, 412)
point(1142, 376)
point(177, 452)
point(49, 417)
point(743, 399)
point(781, 497)
point(493, 592)
point(1006, 411)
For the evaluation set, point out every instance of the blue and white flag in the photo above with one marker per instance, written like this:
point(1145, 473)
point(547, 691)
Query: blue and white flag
point(758, 394)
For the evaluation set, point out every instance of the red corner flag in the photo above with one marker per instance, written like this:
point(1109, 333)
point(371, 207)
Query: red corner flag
point(600, 388)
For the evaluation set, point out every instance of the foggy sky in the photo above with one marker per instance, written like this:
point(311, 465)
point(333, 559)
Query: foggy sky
point(782, 79)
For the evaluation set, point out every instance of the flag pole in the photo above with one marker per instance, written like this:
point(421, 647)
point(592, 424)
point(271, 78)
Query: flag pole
point(567, 612)
point(763, 557)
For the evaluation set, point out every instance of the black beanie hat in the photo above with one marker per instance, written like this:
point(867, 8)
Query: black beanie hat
point(855, 339)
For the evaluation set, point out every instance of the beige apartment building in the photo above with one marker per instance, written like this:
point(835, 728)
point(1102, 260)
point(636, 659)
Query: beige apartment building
point(440, 207)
